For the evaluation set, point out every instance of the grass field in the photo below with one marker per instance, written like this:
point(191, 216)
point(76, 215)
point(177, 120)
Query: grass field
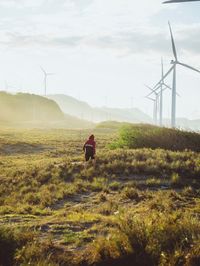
point(136, 207)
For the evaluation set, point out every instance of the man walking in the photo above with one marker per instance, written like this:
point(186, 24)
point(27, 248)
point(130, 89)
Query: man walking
point(90, 149)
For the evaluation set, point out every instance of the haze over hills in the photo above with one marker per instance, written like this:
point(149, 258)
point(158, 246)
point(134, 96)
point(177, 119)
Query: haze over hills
point(72, 106)
point(62, 111)
point(185, 123)
point(83, 110)
point(35, 110)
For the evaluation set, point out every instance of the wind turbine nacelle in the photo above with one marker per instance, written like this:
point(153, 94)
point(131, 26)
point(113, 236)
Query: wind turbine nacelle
point(172, 62)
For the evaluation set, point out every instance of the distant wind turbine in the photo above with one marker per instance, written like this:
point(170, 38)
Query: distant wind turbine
point(162, 86)
point(174, 63)
point(155, 106)
point(156, 102)
point(45, 79)
point(161, 94)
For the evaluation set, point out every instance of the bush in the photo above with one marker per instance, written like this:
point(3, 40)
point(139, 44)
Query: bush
point(147, 136)
point(151, 239)
point(130, 193)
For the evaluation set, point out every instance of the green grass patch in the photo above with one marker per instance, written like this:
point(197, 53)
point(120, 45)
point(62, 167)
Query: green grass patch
point(148, 136)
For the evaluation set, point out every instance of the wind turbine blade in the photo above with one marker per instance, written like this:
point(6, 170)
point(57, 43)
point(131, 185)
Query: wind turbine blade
point(173, 43)
point(43, 70)
point(148, 87)
point(167, 86)
point(50, 74)
point(179, 1)
point(162, 68)
point(153, 90)
point(168, 72)
point(185, 65)
point(150, 98)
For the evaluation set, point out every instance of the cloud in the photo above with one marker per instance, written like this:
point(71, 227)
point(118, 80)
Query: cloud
point(42, 41)
point(119, 26)
point(20, 3)
point(187, 38)
point(144, 41)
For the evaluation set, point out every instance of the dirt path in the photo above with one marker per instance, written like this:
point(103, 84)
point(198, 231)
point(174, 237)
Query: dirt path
point(63, 233)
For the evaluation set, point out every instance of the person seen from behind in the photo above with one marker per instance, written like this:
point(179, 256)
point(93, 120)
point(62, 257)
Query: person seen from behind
point(90, 149)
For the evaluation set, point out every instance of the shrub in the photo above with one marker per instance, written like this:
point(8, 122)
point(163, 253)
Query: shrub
point(148, 136)
point(130, 193)
point(151, 239)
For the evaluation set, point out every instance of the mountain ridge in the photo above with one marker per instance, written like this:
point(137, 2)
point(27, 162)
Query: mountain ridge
point(81, 109)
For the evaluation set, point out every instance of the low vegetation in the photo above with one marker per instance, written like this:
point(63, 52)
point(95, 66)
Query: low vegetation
point(148, 136)
point(135, 207)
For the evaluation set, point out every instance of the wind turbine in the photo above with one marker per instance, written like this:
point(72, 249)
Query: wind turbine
point(45, 79)
point(162, 86)
point(161, 95)
point(156, 102)
point(179, 1)
point(174, 63)
point(154, 108)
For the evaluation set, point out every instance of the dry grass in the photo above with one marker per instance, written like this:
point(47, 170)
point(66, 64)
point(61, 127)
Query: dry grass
point(140, 205)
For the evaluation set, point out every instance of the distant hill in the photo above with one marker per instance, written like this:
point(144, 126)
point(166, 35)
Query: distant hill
point(35, 110)
point(72, 106)
point(28, 107)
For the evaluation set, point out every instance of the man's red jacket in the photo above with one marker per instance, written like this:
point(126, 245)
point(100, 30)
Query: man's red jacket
point(90, 145)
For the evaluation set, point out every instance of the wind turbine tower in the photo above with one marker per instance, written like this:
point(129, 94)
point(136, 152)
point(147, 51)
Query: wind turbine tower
point(161, 95)
point(45, 80)
point(156, 102)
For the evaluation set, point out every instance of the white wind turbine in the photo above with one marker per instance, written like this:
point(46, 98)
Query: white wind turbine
point(156, 103)
point(174, 63)
point(45, 79)
point(155, 108)
point(162, 86)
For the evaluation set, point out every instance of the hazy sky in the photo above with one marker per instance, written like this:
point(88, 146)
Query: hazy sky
point(101, 51)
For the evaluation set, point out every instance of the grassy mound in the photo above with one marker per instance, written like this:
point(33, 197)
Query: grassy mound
point(147, 136)
point(112, 125)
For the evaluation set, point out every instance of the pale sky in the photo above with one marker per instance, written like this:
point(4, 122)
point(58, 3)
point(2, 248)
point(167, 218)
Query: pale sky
point(101, 51)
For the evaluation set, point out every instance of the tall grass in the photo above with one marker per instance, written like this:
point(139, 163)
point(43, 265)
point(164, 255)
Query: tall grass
point(154, 238)
point(10, 241)
point(115, 213)
point(147, 136)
